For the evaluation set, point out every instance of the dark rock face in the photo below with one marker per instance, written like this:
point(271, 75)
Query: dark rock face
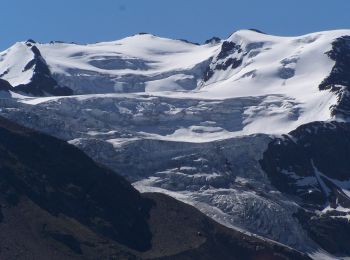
point(208, 74)
point(339, 79)
point(305, 162)
point(223, 61)
point(42, 83)
point(31, 41)
point(332, 234)
point(228, 48)
point(312, 164)
point(231, 62)
point(4, 73)
point(232, 55)
point(5, 85)
point(213, 40)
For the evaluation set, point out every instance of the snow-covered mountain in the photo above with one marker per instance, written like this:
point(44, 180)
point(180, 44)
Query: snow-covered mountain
point(252, 130)
point(135, 64)
point(284, 73)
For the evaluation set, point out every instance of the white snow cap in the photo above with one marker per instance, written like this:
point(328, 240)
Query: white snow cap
point(283, 72)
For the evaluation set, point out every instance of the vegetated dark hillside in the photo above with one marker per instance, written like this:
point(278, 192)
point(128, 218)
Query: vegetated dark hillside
point(56, 203)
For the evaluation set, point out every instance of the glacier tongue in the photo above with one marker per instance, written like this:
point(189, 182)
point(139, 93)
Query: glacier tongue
point(224, 180)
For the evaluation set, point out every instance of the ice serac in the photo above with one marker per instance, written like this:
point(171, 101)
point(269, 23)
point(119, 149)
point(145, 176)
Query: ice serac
point(241, 128)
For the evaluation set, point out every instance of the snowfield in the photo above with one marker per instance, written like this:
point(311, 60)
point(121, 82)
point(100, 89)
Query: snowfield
point(283, 72)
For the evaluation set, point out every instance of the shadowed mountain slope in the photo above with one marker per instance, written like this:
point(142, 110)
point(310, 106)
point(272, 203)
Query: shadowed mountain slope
point(56, 203)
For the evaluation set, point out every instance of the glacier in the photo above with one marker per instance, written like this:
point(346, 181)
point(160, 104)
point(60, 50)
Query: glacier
point(192, 121)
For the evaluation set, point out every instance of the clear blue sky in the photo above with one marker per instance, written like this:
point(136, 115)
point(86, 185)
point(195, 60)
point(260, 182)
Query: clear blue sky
point(196, 20)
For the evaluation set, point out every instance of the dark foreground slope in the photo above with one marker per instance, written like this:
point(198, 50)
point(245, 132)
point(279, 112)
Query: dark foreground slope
point(56, 203)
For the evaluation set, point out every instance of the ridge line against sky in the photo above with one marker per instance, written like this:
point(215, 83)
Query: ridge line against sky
point(89, 21)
